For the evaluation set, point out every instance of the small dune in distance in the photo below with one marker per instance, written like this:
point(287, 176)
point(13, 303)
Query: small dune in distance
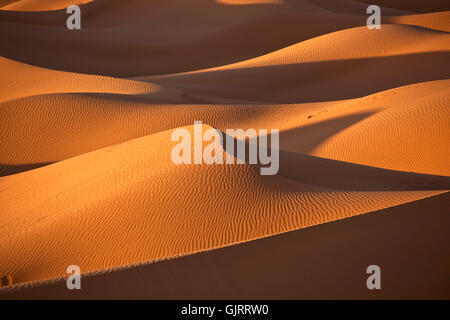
point(88, 178)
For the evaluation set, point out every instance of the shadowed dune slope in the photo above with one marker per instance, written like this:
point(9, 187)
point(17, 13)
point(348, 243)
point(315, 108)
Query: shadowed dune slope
point(414, 5)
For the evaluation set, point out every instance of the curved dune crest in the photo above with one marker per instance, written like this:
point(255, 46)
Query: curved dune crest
point(40, 81)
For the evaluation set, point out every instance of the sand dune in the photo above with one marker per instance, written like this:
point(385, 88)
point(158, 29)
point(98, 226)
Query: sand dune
point(435, 21)
point(86, 175)
point(41, 81)
point(321, 129)
point(328, 261)
point(195, 35)
point(392, 61)
point(163, 210)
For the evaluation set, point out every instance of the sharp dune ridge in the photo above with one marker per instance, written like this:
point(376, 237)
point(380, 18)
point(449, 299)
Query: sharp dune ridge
point(86, 175)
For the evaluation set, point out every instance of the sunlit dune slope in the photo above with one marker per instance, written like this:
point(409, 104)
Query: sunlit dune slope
point(130, 203)
point(403, 129)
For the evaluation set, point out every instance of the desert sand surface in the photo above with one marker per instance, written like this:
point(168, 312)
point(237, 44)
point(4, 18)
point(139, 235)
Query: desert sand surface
point(87, 179)
point(331, 270)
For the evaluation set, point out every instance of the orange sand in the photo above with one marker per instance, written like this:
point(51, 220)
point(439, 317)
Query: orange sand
point(86, 176)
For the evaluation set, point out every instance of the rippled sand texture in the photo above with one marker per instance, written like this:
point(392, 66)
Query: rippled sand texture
point(86, 175)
